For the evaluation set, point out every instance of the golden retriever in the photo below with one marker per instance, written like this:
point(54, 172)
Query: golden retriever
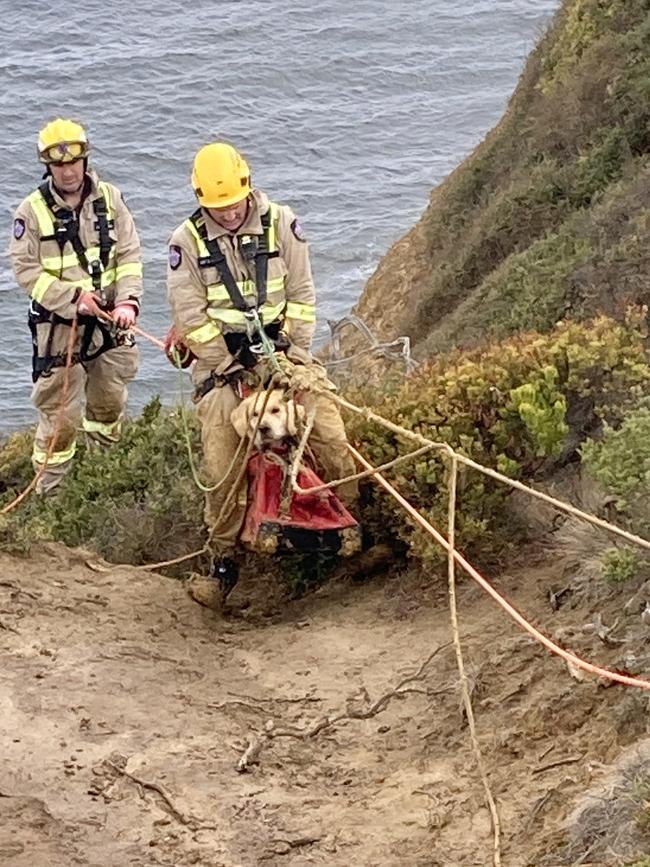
point(279, 421)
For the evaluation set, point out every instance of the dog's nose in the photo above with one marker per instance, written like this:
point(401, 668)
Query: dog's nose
point(264, 429)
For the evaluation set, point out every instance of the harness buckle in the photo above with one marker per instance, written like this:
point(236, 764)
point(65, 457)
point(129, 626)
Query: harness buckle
point(248, 246)
point(254, 331)
point(64, 219)
point(208, 262)
point(110, 224)
point(253, 324)
point(96, 269)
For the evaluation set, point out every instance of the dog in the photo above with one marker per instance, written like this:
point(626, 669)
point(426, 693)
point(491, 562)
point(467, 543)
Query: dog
point(279, 418)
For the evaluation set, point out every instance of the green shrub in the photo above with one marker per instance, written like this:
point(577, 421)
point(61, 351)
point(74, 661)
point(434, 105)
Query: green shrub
point(581, 24)
point(15, 464)
point(506, 406)
point(133, 503)
point(621, 564)
point(620, 461)
point(542, 408)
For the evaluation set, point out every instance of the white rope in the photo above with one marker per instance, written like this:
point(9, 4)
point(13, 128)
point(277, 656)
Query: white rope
point(369, 415)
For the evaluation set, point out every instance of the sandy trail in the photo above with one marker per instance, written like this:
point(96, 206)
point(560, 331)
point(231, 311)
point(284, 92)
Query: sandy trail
point(126, 706)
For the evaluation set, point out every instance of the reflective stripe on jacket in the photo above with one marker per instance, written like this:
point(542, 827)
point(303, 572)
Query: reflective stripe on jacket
point(53, 276)
point(220, 307)
point(201, 307)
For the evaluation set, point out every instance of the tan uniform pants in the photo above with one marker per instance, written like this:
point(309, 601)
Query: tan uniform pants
point(220, 442)
point(103, 383)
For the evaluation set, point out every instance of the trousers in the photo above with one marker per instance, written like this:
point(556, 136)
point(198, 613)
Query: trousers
point(95, 401)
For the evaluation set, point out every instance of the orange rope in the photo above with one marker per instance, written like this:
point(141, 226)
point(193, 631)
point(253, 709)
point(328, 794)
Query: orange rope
point(156, 342)
point(447, 451)
point(137, 330)
point(64, 396)
point(507, 607)
point(57, 424)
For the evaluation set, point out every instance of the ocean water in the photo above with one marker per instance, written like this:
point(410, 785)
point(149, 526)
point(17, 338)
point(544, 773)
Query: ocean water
point(349, 112)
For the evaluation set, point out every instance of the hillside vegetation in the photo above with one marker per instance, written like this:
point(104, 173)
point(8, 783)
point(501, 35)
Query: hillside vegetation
point(550, 216)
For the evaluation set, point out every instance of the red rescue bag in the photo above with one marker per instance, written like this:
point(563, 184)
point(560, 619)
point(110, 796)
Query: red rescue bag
point(312, 522)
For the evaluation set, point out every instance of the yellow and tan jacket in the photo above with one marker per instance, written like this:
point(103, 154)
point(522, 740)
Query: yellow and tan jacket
point(52, 275)
point(202, 310)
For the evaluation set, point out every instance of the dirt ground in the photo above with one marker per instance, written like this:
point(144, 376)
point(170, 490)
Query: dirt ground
point(126, 707)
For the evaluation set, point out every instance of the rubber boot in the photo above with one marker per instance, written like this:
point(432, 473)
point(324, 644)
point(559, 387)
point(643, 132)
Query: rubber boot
point(226, 571)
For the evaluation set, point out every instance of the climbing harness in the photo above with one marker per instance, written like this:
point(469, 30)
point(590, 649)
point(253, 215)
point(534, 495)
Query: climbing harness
point(43, 362)
point(259, 322)
point(62, 225)
point(66, 229)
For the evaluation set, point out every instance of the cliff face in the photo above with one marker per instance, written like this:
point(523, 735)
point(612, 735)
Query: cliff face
point(549, 218)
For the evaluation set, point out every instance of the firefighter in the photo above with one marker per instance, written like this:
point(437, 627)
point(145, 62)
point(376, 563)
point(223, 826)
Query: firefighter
point(240, 252)
point(75, 250)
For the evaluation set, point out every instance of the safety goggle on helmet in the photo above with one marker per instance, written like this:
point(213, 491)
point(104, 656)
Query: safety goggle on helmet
point(62, 141)
point(64, 152)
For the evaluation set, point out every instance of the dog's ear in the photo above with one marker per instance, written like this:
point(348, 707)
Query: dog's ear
point(239, 417)
point(295, 415)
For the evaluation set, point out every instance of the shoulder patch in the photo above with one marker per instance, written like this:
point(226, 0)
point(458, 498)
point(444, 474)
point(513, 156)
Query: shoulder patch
point(175, 256)
point(298, 233)
point(19, 228)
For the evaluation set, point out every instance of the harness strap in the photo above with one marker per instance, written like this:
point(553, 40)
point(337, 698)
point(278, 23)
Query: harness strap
point(216, 259)
point(45, 361)
point(103, 227)
point(262, 260)
point(91, 325)
point(67, 229)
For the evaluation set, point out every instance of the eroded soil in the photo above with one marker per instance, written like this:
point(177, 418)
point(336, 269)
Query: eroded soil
point(126, 707)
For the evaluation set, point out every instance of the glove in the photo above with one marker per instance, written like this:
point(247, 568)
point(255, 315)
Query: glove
point(124, 315)
point(310, 377)
point(176, 351)
point(87, 305)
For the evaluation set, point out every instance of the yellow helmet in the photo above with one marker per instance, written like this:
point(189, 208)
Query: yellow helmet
point(62, 141)
point(220, 176)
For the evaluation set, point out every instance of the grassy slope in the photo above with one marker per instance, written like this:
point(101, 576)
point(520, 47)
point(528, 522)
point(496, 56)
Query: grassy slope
point(548, 218)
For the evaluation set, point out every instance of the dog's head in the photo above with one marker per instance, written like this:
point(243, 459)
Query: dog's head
point(278, 419)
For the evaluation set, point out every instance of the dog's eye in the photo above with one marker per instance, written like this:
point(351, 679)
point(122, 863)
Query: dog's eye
point(275, 410)
point(256, 413)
